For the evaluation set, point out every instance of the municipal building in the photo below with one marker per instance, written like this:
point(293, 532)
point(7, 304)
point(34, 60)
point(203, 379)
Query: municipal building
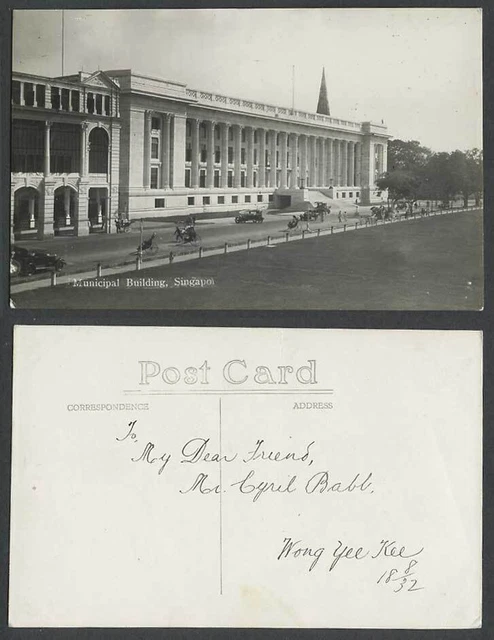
point(90, 146)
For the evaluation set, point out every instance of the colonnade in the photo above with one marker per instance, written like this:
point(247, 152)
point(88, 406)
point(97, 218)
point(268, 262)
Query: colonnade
point(84, 148)
point(278, 159)
point(226, 155)
point(64, 97)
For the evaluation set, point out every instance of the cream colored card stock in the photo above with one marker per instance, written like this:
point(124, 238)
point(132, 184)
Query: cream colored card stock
point(246, 478)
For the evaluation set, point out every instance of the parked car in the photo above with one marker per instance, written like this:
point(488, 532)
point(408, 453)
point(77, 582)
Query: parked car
point(25, 262)
point(249, 215)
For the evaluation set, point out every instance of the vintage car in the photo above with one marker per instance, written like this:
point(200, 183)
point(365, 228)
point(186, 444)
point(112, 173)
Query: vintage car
point(249, 215)
point(26, 262)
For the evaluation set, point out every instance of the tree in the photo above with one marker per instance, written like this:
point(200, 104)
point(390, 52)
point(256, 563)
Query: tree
point(475, 169)
point(440, 182)
point(407, 155)
point(401, 185)
point(414, 172)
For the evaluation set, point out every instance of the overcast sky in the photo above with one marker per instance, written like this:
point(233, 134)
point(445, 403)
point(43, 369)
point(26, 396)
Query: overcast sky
point(418, 69)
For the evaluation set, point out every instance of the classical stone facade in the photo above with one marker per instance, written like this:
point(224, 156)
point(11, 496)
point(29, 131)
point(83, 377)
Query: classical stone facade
point(87, 146)
point(65, 149)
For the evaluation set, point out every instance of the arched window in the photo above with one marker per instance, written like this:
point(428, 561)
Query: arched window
point(98, 151)
point(26, 205)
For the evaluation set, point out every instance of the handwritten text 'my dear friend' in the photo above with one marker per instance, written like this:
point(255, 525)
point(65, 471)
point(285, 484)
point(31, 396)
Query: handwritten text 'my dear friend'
point(250, 483)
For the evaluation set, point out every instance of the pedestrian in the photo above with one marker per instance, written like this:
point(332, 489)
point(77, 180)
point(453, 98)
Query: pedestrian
point(339, 216)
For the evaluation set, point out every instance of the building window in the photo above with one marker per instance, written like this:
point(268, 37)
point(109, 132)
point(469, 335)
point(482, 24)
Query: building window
point(16, 92)
point(28, 94)
point(337, 195)
point(99, 103)
point(155, 146)
point(357, 195)
point(188, 154)
point(190, 201)
point(206, 200)
point(40, 97)
point(254, 179)
point(270, 197)
point(55, 99)
point(343, 194)
point(65, 149)
point(217, 155)
point(187, 177)
point(204, 153)
point(221, 199)
point(107, 105)
point(74, 99)
point(242, 156)
point(98, 150)
point(216, 179)
point(27, 146)
point(242, 179)
point(234, 199)
point(188, 129)
point(259, 197)
point(159, 203)
point(247, 198)
point(230, 178)
point(202, 178)
point(154, 177)
point(350, 194)
point(255, 156)
point(243, 135)
point(255, 136)
point(230, 155)
point(155, 124)
point(65, 99)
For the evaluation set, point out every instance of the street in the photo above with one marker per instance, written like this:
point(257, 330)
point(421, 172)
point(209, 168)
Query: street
point(422, 263)
point(83, 253)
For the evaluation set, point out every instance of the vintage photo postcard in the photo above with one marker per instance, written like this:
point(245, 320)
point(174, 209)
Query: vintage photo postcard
point(206, 477)
point(247, 159)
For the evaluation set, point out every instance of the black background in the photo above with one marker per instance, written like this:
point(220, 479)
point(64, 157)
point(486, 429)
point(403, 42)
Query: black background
point(483, 320)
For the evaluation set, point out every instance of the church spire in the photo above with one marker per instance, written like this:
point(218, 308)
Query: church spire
point(323, 104)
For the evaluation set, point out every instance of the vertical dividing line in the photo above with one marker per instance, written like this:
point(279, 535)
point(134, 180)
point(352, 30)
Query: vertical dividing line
point(221, 509)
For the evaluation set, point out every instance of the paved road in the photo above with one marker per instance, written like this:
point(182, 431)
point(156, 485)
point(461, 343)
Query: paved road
point(428, 263)
point(83, 253)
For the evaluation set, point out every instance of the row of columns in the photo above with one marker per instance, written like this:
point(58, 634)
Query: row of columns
point(84, 158)
point(83, 95)
point(323, 161)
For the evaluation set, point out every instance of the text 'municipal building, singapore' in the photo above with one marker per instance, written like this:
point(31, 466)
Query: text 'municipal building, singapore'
point(88, 146)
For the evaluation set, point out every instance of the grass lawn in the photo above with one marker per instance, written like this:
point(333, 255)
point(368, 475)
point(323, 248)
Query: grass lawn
point(429, 263)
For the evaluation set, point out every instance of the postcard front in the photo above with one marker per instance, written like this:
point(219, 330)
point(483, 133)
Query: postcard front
point(166, 477)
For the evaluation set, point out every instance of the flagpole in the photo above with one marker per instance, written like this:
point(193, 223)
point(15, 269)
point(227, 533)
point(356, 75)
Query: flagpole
point(293, 87)
point(63, 41)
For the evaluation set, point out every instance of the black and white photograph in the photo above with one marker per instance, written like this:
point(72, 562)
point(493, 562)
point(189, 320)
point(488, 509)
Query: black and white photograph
point(234, 159)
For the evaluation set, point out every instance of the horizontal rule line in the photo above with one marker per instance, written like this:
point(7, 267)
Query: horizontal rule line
point(228, 392)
